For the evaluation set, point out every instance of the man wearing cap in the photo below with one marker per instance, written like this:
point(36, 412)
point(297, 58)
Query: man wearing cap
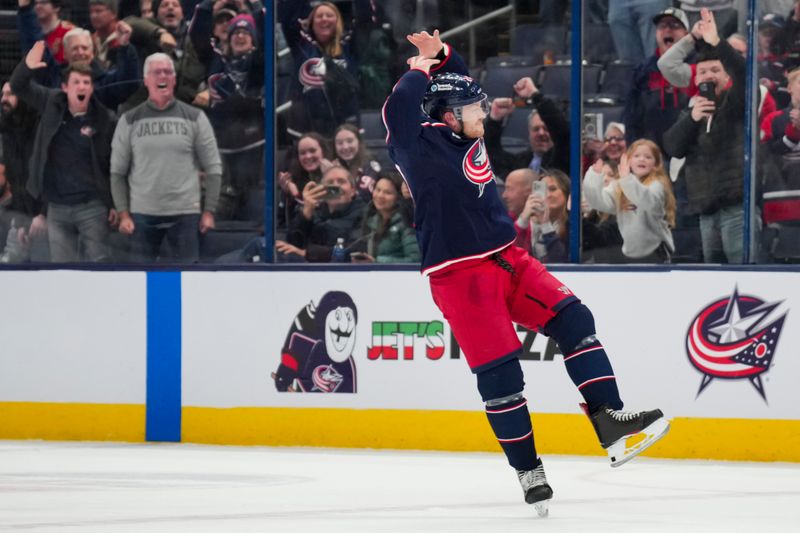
point(631, 30)
point(710, 135)
point(653, 104)
point(39, 20)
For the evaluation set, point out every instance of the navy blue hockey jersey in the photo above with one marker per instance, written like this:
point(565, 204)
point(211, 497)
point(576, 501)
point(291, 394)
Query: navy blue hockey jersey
point(458, 213)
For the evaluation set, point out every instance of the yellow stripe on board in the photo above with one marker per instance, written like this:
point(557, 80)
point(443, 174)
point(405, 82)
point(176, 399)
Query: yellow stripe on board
point(689, 438)
point(72, 421)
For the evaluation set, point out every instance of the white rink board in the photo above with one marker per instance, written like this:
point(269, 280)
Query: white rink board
point(70, 336)
point(234, 324)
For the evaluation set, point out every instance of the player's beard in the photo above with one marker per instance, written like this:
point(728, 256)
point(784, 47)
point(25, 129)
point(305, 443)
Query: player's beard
point(472, 130)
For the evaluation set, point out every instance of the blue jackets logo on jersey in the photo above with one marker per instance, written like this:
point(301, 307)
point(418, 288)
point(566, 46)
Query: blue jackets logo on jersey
point(476, 166)
point(734, 338)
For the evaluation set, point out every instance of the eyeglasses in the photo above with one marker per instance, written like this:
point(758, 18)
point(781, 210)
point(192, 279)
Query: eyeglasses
point(614, 138)
point(671, 24)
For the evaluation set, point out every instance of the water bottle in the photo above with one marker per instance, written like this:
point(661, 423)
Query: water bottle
point(339, 254)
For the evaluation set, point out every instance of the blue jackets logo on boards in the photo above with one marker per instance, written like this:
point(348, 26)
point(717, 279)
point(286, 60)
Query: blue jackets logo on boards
point(735, 337)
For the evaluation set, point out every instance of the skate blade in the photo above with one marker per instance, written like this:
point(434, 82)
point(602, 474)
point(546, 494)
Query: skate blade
point(542, 508)
point(629, 447)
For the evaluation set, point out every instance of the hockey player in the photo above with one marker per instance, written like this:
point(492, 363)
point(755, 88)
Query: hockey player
point(480, 281)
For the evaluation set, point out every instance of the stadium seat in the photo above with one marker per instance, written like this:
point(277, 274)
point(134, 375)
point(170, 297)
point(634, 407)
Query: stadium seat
point(598, 44)
point(499, 80)
point(555, 80)
point(537, 41)
point(617, 80)
point(372, 126)
point(516, 128)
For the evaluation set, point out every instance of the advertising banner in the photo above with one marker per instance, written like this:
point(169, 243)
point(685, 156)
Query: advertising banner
point(694, 343)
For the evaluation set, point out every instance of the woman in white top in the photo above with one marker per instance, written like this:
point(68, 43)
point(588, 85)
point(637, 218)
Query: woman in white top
point(641, 198)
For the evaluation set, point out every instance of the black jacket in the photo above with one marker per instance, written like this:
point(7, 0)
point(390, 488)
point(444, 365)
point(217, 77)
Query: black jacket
point(318, 235)
point(557, 157)
point(52, 104)
point(714, 169)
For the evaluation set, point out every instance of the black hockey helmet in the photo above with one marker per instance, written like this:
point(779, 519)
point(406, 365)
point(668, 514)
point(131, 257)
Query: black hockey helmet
point(451, 91)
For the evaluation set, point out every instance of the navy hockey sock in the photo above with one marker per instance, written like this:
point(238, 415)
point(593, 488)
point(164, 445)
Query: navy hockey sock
point(585, 358)
point(511, 424)
point(507, 410)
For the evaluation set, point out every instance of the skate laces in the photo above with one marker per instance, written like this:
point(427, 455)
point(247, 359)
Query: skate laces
point(532, 478)
point(622, 416)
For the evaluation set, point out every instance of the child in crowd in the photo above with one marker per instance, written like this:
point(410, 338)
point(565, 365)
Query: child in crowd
point(642, 200)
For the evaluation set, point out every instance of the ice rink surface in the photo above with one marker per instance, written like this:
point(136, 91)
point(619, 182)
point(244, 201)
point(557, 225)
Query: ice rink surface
point(95, 487)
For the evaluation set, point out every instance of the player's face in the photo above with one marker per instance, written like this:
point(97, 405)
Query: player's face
point(346, 145)
point(324, 24)
point(615, 144)
point(472, 117)
point(385, 196)
point(556, 201)
point(309, 153)
point(713, 71)
point(642, 161)
point(516, 191)
point(539, 135)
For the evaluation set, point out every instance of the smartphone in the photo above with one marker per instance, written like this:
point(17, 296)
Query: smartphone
point(540, 189)
point(331, 192)
point(707, 89)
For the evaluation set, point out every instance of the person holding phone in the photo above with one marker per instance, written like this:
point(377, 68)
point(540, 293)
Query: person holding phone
point(550, 219)
point(710, 135)
point(331, 209)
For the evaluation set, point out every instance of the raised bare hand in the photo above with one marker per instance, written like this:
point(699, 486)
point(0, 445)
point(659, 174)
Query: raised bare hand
point(709, 27)
point(525, 87)
point(34, 58)
point(428, 45)
point(421, 63)
point(501, 108)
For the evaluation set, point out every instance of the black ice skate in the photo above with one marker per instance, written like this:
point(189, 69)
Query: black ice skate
point(535, 487)
point(626, 434)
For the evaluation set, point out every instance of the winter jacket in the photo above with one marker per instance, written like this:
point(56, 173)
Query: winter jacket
point(52, 104)
point(398, 243)
point(653, 104)
point(714, 169)
point(318, 235)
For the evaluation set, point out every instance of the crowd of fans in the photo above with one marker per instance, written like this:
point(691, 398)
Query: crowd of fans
point(133, 138)
point(110, 181)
